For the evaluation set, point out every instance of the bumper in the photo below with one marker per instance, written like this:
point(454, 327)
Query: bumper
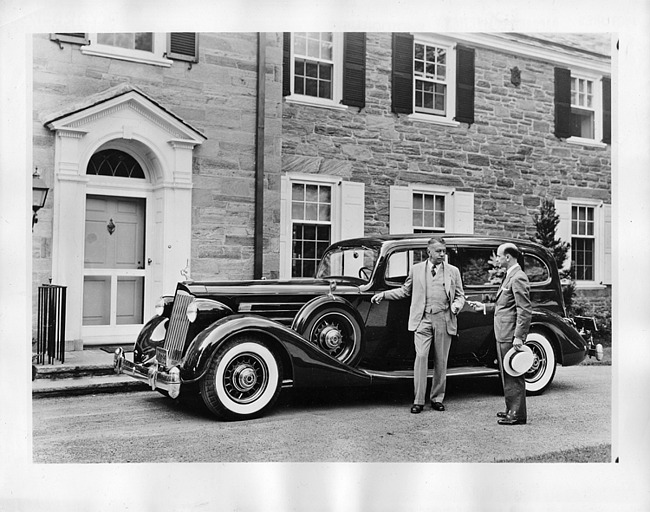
point(169, 381)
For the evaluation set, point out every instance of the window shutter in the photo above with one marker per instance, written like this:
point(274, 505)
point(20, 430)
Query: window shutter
point(464, 84)
point(285, 228)
point(607, 244)
point(183, 46)
point(463, 212)
point(400, 210)
point(354, 69)
point(562, 103)
point(286, 64)
point(352, 215)
point(563, 231)
point(402, 74)
point(607, 110)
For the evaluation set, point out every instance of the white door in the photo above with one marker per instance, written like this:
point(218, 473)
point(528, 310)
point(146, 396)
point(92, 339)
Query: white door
point(114, 266)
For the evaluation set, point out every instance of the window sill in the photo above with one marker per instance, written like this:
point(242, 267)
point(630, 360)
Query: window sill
point(305, 100)
point(579, 141)
point(431, 119)
point(589, 285)
point(112, 52)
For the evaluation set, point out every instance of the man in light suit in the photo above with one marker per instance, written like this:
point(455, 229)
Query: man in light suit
point(512, 316)
point(437, 296)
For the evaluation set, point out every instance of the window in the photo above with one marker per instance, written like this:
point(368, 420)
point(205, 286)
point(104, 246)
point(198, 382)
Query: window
point(430, 209)
point(325, 68)
point(311, 223)
point(587, 225)
point(144, 47)
point(430, 76)
point(111, 162)
point(314, 212)
point(432, 79)
point(582, 107)
point(582, 242)
point(428, 213)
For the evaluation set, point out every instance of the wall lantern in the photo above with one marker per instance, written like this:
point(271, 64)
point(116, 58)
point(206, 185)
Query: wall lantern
point(39, 191)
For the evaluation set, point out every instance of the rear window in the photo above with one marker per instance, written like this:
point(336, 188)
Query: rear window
point(479, 267)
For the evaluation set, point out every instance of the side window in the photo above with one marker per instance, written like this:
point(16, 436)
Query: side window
point(478, 266)
point(535, 269)
point(400, 262)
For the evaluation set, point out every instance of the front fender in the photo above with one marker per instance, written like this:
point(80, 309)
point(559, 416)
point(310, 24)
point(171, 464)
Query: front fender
point(316, 304)
point(572, 347)
point(309, 366)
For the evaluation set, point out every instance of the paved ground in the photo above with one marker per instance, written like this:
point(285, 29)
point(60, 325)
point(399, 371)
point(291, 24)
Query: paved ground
point(347, 426)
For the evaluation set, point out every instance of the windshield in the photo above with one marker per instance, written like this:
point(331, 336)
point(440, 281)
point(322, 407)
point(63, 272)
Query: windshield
point(357, 262)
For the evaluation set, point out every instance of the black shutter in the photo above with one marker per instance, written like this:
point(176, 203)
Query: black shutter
point(183, 46)
point(464, 84)
point(354, 69)
point(607, 110)
point(562, 103)
point(402, 74)
point(286, 64)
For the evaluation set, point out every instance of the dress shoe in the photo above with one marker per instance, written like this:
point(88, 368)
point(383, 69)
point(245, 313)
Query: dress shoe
point(437, 406)
point(509, 420)
point(502, 414)
point(416, 409)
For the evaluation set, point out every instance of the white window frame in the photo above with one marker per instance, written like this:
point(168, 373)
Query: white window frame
point(600, 233)
point(337, 78)
point(450, 97)
point(597, 108)
point(156, 57)
point(346, 215)
point(457, 217)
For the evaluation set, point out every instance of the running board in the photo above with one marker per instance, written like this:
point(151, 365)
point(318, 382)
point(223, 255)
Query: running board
point(462, 371)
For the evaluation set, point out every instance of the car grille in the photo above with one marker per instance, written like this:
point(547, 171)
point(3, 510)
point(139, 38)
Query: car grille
point(178, 326)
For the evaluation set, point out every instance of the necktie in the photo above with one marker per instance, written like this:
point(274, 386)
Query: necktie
point(433, 271)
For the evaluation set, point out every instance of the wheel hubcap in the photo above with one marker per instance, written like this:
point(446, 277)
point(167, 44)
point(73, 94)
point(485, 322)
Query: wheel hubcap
point(244, 378)
point(330, 338)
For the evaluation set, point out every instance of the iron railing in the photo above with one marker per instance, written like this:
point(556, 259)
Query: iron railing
point(50, 336)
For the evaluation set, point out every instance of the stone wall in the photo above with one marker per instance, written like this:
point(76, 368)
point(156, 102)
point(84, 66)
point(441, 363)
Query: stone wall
point(509, 157)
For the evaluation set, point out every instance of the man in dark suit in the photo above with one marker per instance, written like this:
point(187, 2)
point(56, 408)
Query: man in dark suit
point(437, 296)
point(512, 316)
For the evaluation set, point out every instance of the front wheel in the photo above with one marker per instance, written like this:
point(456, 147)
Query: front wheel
point(541, 373)
point(243, 380)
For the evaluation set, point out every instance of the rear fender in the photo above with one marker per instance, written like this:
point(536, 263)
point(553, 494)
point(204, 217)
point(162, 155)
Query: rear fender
point(571, 348)
point(305, 364)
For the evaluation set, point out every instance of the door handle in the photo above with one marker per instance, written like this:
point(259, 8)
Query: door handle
point(149, 261)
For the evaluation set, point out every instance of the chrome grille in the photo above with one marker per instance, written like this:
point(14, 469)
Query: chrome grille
point(178, 326)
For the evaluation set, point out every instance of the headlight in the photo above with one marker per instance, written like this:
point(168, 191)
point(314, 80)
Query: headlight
point(160, 306)
point(191, 311)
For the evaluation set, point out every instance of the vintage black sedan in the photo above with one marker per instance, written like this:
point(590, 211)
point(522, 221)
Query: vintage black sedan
point(235, 345)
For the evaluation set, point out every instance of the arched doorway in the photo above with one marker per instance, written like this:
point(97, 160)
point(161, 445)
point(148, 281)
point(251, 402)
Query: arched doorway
point(123, 164)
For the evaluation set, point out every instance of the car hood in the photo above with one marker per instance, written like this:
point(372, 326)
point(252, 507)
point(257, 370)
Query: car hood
point(267, 286)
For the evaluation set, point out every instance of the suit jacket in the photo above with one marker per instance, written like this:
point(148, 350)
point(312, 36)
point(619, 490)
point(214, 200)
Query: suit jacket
point(415, 286)
point(512, 309)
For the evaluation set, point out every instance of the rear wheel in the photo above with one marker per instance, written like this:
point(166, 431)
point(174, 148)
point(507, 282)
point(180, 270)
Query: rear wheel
point(541, 374)
point(243, 380)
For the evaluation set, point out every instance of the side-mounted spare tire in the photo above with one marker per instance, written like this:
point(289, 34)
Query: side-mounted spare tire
point(336, 331)
point(243, 380)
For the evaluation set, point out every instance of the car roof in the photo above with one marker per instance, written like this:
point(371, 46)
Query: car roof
point(449, 238)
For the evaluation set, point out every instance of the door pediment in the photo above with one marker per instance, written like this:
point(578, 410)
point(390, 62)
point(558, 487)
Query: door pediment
point(81, 117)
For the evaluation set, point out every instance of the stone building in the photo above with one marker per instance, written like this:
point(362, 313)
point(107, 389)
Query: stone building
point(238, 156)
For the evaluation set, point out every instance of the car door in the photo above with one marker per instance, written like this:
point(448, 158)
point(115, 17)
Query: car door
point(481, 280)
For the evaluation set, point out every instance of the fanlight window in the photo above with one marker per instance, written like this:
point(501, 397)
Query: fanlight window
point(111, 162)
